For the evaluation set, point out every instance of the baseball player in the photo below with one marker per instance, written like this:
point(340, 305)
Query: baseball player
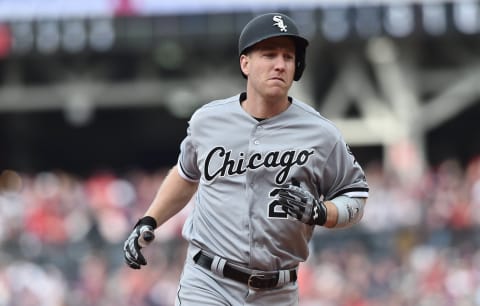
point(265, 169)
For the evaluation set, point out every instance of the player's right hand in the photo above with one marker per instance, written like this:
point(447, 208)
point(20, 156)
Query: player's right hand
point(141, 236)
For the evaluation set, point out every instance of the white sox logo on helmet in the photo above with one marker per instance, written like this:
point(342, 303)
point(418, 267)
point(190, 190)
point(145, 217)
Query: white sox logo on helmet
point(279, 23)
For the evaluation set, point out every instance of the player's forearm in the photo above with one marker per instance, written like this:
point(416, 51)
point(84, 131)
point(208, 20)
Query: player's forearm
point(173, 195)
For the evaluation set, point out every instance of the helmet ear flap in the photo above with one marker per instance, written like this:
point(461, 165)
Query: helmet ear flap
point(300, 63)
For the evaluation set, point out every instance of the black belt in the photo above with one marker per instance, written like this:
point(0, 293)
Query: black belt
point(257, 280)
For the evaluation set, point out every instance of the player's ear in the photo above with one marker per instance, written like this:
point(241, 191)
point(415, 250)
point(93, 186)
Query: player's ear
point(244, 63)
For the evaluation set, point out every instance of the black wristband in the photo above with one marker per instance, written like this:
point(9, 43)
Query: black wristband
point(147, 220)
point(322, 213)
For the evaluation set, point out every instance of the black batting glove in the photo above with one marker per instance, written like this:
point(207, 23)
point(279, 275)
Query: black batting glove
point(141, 236)
point(301, 204)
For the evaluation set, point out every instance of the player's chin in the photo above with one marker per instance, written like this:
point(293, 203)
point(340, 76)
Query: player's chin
point(277, 90)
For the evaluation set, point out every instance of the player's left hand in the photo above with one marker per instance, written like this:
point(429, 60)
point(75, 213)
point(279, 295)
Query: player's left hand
point(141, 236)
point(301, 204)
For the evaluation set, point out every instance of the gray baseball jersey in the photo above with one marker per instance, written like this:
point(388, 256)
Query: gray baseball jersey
point(238, 160)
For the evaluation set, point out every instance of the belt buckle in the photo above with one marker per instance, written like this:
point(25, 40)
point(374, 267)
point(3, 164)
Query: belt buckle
point(259, 276)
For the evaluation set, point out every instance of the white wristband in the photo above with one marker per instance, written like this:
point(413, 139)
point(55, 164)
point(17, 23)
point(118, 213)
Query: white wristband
point(350, 210)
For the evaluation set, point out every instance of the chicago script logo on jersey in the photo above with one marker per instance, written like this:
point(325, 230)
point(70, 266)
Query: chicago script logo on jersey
point(220, 163)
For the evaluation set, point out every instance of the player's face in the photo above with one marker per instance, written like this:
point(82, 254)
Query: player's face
point(270, 66)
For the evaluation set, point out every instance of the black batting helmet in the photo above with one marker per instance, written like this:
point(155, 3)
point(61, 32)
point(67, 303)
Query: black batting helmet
point(273, 25)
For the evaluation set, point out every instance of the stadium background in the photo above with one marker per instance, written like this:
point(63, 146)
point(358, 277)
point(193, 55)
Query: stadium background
point(94, 98)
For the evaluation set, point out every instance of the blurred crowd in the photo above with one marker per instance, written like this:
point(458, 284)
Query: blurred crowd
point(61, 239)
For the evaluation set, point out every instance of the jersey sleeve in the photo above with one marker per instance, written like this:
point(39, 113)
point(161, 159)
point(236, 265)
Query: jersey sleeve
point(187, 159)
point(343, 175)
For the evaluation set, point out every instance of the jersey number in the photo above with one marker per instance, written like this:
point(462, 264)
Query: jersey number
point(276, 211)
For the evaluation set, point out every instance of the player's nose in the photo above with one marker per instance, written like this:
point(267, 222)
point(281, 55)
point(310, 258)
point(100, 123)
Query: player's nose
point(280, 62)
